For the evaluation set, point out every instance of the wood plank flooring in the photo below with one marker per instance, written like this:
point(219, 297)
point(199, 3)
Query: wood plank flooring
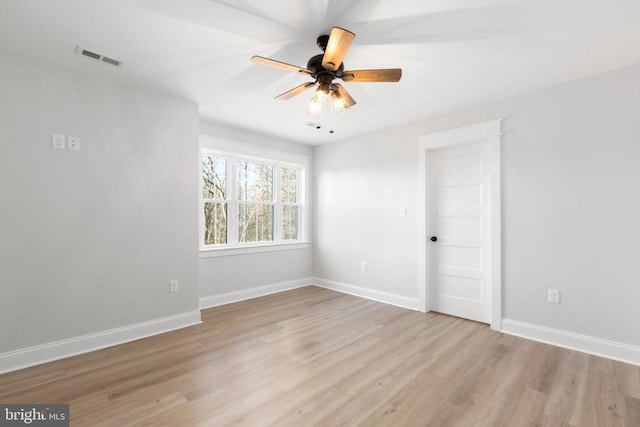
point(316, 357)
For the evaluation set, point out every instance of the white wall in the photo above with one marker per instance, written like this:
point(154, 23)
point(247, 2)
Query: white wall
point(90, 239)
point(362, 185)
point(240, 274)
point(571, 170)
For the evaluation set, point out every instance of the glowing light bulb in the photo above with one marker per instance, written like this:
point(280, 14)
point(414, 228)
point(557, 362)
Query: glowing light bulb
point(339, 104)
point(318, 103)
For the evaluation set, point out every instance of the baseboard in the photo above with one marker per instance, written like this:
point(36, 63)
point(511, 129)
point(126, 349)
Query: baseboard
point(385, 297)
point(36, 355)
point(586, 344)
point(245, 294)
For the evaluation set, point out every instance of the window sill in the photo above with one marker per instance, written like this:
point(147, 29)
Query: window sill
point(251, 249)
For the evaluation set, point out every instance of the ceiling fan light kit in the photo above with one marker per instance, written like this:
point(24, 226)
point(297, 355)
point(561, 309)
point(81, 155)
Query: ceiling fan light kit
point(326, 67)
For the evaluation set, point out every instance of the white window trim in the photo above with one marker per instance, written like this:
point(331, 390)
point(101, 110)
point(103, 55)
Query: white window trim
point(237, 150)
point(251, 249)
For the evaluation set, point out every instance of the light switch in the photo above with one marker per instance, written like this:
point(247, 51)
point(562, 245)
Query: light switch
point(554, 296)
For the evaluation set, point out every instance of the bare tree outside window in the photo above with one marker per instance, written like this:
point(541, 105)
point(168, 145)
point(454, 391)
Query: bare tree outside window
point(214, 195)
point(247, 201)
point(289, 199)
point(255, 185)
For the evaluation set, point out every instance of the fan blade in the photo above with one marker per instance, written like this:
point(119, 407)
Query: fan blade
point(344, 95)
point(381, 75)
point(339, 41)
point(278, 64)
point(295, 91)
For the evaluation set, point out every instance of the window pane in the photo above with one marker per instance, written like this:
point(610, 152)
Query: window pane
point(255, 182)
point(215, 223)
point(289, 223)
point(214, 177)
point(289, 185)
point(255, 223)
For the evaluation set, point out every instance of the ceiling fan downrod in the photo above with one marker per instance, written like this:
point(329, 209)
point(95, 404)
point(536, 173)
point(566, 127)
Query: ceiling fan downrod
point(322, 41)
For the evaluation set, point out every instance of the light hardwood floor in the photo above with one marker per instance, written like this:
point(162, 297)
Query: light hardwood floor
point(316, 357)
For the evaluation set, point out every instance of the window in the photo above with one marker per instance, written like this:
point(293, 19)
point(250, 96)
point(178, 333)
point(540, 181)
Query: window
point(214, 196)
point(255, 202)
point(289, 200)
point(250, 201)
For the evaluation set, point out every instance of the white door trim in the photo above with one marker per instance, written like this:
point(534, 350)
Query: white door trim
point(488, 131)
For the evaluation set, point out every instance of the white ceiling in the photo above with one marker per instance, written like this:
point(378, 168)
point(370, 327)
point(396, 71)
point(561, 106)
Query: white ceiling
point(454, 53)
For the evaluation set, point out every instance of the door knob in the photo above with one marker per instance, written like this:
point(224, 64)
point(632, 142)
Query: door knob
point(434, 239)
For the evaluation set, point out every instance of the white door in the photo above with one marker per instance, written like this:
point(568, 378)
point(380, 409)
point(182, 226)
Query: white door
point(459, 231)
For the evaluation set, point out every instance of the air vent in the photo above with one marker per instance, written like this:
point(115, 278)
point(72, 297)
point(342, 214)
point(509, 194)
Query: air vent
point(111, 61)
point(97, 56)
point(90, 54)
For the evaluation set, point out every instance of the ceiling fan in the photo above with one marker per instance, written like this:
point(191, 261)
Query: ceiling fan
point(326, 67)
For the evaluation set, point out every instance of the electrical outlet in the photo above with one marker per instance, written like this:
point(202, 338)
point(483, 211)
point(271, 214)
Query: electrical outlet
point(73, 143)
point(554, 296)
point(174, 286)
point(57, 141)
point(363, 266)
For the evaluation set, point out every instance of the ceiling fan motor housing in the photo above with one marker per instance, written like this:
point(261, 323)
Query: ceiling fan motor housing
point(315, 66)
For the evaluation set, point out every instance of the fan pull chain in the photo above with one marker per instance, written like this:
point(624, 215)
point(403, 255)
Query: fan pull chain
point(331, 118)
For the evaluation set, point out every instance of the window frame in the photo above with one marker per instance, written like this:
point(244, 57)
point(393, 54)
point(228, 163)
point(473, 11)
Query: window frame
point(235, 152)
point(280, 205)
point(213, 200)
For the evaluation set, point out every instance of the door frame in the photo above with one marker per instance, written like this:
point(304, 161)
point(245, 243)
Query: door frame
point(488, 132)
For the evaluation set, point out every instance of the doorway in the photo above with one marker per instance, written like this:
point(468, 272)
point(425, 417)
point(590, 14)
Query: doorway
point(459, 250)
